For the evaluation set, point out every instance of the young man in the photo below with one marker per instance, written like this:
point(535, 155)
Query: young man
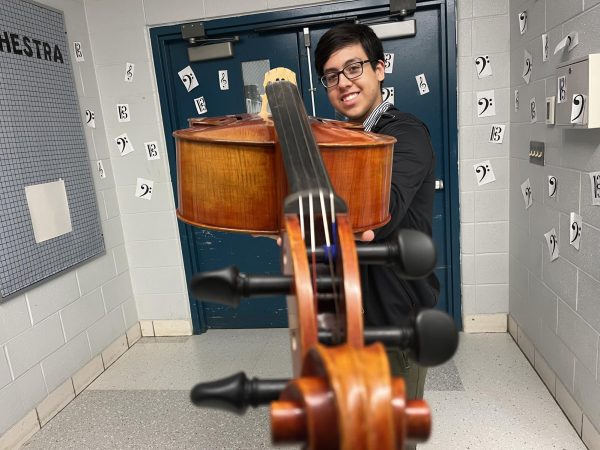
point(349, 59)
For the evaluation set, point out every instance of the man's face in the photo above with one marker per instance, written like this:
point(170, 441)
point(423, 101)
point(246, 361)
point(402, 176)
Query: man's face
point(355, 98)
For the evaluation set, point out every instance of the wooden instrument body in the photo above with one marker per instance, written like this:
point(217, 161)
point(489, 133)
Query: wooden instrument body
point(231, 175)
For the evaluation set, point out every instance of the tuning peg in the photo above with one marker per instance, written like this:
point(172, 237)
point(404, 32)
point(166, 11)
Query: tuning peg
point(236, 393)
point(431, 339)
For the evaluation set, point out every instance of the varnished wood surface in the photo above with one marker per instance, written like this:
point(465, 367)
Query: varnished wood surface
point(231, 175)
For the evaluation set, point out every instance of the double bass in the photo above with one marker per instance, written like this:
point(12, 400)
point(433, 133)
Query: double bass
point(342, 395)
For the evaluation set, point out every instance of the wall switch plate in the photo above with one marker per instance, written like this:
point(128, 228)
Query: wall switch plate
point(536, 152)
point(550, 101)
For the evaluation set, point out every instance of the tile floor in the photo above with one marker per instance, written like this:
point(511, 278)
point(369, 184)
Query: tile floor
point(487, 397)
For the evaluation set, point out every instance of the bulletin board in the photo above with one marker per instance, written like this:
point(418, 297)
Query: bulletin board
point(45, 171)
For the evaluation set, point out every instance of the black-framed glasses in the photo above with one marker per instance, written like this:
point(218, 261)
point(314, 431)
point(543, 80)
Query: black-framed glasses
point(350, 71)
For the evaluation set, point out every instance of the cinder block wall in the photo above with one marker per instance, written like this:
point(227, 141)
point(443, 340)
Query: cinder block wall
point(555, 305)
point(57, 337)
point(483, 30)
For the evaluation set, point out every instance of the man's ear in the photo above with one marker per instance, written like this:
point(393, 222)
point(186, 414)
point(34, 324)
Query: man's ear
point(380, 70)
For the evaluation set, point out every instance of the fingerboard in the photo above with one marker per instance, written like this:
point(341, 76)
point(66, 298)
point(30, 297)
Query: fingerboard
point(304, 166)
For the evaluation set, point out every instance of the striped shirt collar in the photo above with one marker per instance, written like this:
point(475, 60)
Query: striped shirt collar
point(375, 115)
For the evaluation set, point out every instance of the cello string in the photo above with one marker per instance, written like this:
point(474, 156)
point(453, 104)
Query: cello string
point(329, 250)
point(312, 247)
point(301, 209)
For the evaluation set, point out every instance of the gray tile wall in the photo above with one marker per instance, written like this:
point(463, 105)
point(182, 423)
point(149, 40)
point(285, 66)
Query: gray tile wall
point(54, 329)
point(483, 29)
point(556, 303)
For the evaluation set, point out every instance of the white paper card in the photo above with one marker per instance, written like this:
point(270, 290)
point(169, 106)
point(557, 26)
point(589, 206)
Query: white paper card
point(497, 134)
point(545, 51)
point(527, 66)
point(595, 179)
point(78, 52)
point(483, 66)
point(552, 241)
point(532, 110)
point(527, 195)
point(561, 89)
point(223, 80)
point(552, 186)
point(523, 22)
point(422, 83)
point(516, 100)
point(123, 144)
point(151, 150)
point(129, 69)
point(484, 172)
point(49, 210)
point(387, 94)
point(579, 109)
point(200, 105)
point(550, 110)
point(486, 104)
point(388, 62)
point(569, 42)
point(101, 170)
point(123, 114)
point(575, 230)
point(144, 188)
point(188, 78)
point(90, 118)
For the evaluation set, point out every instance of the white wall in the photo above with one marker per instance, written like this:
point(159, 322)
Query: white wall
point(554, 305)
point(59, 335)
point(483, 29)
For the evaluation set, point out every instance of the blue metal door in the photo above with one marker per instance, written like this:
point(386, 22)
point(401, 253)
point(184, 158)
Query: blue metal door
point(278, 39)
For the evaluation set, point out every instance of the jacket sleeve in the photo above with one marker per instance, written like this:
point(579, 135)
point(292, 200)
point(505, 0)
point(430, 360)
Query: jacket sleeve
point(412, 163)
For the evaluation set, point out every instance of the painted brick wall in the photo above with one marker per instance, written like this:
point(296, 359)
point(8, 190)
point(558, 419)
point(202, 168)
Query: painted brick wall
point(554, 305)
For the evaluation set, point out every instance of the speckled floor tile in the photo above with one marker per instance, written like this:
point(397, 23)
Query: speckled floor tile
point(487, 397)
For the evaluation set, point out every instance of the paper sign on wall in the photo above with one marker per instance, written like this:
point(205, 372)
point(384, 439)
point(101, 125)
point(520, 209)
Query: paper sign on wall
point(552, 186)
point(90, 118)
point(151, 150)
point(387, 94)
point(49, 210)
point(484, 172)
point(575, 230)
point(595, 179)
point(552, 241)
point(388, 62)
point(422, 83)
point(483, 66)
point(527, 194)
point(545, 51)
point(532, 111)
point(523, 22)
point(516, 100)
point(579, 109)
point(527, 66)
point(569, 42)
point(123, 144)
point(129, 69)
point(143, 188)
point(101, 170)
point(497, 134)
point(486, 104)
point(561, 89)
point(188, 78)
point(77, 50)
point(123, 114)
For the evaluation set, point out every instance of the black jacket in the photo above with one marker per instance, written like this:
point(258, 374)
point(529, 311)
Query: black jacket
point(388, 299)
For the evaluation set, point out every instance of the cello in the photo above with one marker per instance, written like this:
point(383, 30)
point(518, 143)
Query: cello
point(342, 395)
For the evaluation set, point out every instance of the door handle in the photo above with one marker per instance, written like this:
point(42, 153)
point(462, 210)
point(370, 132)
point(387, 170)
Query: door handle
point(439, 185)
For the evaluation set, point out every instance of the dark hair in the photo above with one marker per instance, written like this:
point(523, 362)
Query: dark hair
point(344, 35)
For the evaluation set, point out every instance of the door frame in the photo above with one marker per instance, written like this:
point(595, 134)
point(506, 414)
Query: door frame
point(305, 16)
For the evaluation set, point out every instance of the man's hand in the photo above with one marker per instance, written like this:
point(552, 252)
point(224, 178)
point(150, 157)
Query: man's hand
point(365, 236)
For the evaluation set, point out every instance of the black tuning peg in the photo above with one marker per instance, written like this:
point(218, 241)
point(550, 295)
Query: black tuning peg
point(228, 286)
point(236, 393)
point(431, 339)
